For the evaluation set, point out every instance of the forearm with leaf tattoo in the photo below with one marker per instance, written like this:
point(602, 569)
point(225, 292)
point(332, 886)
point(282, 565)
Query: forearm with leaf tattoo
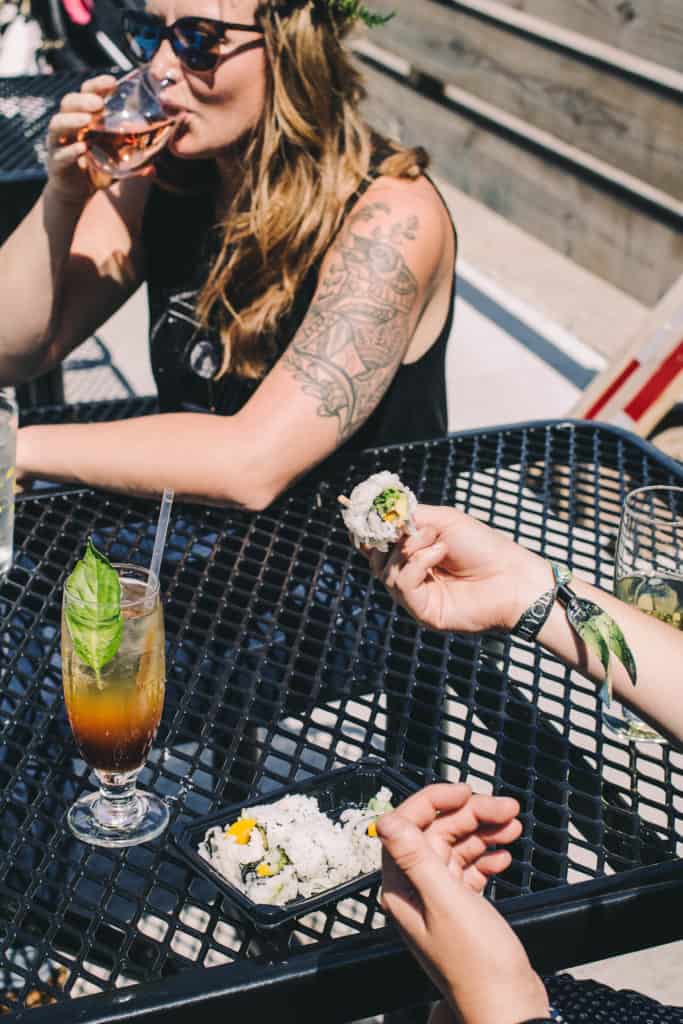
point(357, 330)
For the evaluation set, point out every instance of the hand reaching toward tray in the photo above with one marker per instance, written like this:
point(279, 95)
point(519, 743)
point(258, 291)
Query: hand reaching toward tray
point(436, 861)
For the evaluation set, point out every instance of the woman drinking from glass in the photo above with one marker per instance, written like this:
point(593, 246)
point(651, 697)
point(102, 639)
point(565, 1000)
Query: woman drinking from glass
point(300, 268)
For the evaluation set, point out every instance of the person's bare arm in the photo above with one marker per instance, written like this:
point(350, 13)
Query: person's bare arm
point(373, 291)
point(487, 581)
point(460, 939)
point(55, 295)
point(374, 285)
point(656, 646)
point(74, 258)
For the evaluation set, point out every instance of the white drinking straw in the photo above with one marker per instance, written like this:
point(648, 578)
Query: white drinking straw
point(160, 538)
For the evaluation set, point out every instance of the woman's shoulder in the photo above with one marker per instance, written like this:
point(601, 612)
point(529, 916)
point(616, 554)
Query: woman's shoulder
point(415, 205)
point(406, 192)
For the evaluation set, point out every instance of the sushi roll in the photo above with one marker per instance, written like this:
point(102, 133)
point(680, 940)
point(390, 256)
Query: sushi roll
point(379, 512)
point(290, 849)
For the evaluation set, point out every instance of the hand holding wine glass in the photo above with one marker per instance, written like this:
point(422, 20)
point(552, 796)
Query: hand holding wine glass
point(111, 129)
point(67, 164)
point(131, 129)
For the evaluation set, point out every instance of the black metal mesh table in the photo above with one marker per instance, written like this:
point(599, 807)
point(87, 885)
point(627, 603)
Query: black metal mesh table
point(286, 659)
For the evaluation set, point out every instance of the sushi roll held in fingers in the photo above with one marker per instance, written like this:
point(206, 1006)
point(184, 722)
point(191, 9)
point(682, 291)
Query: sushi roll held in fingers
point(379, 511)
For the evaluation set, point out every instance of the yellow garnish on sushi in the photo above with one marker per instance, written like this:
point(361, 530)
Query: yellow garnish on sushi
point(241, 830)
point(372, 830)
point(265, 871)
point(391, 505)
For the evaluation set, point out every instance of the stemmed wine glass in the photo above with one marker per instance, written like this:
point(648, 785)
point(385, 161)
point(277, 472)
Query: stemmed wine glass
point(648, 574)
point(131, 129)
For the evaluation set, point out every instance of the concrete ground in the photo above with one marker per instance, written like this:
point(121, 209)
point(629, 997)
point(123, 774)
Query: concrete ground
point(531, 330)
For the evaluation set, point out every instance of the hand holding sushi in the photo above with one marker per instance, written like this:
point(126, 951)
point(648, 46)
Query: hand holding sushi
point(436, 848)
point(455, 573)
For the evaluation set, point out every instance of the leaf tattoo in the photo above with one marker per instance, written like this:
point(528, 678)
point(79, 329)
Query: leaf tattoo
point(604, 637)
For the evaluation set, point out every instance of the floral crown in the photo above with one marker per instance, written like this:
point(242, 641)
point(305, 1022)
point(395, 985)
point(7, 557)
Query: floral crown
point(354, 10)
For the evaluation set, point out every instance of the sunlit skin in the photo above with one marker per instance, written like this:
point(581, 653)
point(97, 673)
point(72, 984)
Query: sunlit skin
point(86, 255)
point(215, 108)
point(454, 573)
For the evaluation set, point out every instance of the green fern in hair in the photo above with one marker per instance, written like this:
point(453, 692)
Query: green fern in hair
point(354, 9)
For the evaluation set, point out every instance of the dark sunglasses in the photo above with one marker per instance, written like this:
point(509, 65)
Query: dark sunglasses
point(195, 41)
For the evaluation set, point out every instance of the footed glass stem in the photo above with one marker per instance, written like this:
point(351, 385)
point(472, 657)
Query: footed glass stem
point(118, 814)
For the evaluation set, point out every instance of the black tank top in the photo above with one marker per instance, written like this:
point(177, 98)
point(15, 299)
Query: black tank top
point(178, 236)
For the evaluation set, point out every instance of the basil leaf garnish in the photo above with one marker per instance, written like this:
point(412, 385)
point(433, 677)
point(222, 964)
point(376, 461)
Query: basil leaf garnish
point(94, 617)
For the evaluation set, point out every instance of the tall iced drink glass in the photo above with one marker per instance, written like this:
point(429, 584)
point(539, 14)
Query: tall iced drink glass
point(113, 668)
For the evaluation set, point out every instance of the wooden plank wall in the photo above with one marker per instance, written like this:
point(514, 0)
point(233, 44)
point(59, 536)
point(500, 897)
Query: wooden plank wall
point(652, 29)
point(571, 138)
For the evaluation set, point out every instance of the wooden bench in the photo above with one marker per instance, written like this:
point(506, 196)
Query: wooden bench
point(564, 117)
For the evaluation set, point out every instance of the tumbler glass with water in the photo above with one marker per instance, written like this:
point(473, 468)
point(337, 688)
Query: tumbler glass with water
point(648, 574)
point(8, 448)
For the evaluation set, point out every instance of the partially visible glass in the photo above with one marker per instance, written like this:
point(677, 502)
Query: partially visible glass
point(648, 574)
point(8, 449)
point(132, 128)
point(114, 713)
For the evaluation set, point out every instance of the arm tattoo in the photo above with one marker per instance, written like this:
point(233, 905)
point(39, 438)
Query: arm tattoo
point(356, 332)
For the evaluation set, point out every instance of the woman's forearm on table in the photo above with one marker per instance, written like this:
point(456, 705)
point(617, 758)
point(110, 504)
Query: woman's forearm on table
point(203, 458)
point(657, 648)
point(32, 264)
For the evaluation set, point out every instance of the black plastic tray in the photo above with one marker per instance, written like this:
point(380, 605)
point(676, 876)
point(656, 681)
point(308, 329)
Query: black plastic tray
point(335, 791)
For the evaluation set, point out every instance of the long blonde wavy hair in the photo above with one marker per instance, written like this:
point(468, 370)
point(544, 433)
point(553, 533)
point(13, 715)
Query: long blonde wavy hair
point(306, 157)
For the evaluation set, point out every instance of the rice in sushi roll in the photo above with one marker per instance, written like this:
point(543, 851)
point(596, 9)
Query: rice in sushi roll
point(379, 511)
point(289, 849)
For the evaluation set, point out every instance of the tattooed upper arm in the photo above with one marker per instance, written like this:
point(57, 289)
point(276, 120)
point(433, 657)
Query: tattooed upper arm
point(359, 325)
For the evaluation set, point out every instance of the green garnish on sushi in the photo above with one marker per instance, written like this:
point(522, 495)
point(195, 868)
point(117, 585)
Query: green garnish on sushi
point(392, 505)
point(379, 806)
point(272, 865)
